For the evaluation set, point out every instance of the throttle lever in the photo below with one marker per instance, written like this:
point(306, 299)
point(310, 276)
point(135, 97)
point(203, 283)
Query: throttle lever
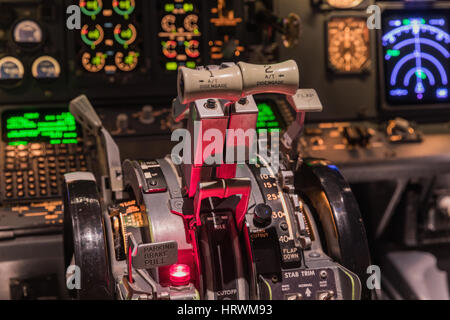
point(224, 188)
point(234, 81)
point(85, 114)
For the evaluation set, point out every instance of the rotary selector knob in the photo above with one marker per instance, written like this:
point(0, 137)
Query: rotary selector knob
point(263, 215)
point(147, 116)
point(122, 122)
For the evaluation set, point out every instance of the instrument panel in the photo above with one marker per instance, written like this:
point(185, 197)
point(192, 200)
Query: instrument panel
point(180, 34)
point(136, 45)
point(110, 48)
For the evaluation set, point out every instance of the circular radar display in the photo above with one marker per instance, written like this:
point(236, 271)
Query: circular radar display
point(348, 45)
point(344, 4)
point(46, 67)
point(92, 36)
point(124, 7)
point(27, 32)
point(416, 58)
point(91, 7)
point(125, 37)
point(93, 63)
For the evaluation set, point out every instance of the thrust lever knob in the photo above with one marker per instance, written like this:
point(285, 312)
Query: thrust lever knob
point(263, 215)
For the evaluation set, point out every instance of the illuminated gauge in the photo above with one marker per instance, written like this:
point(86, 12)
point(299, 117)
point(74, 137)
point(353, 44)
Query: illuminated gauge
point(46, 67)
point(27, 32)
point(169, 49)
point(11, 69)
point(416, 54)
point(128, 62)
point(124, 7)
point(348, 45)
point(93, 63)
point(192, 48)
point(168, 23)
point(344, 4)
point(92, 37)
point(190, 23)
point(91, 7)
point(125, 36)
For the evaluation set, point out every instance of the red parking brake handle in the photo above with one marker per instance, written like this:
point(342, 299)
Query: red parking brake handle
point(223, 189)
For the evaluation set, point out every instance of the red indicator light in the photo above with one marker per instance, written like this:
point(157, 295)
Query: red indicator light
point(180, 274)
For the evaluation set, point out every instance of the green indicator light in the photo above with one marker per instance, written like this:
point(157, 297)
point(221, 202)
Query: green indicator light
point(169, 7)
point(422, 21)
point(191, 64)
point(406, 22)
point(126, 34)
point(393, 53)
point(420, 74)
point(94, 34)
point(129, 59)
point(171, 66)
point(18, 143)
point(188, 7)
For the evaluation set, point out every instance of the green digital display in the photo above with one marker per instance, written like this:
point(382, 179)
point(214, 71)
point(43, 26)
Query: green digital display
point(50, 126)
point(267, 119)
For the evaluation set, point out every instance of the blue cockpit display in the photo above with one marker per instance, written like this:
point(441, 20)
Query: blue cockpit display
point(416, 54)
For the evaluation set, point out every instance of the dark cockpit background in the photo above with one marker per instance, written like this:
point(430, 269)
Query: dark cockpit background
point(385, 125)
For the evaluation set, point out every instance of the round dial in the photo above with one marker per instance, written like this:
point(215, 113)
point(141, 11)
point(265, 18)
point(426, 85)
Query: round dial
point(125, 36)
point(344, 4)
point(27, 32)
point(124, 7)
point(91, 7)
point(192, 48)
point(170, 49)
point(93, 63)
point(190, 22)
point(168, 23)
point(92, 36)
point(348, 44)
point(11, 69)
point(46, 67)
point(126, 62)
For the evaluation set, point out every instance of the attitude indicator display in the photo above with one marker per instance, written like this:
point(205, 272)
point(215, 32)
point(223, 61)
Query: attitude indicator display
point(416, 54)
point(348, 45)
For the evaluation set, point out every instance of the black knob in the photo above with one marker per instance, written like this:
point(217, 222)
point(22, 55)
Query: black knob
point(263, 215)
